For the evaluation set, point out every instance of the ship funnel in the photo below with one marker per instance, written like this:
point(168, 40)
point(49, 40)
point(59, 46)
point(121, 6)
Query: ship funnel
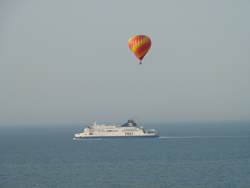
point(130, 123)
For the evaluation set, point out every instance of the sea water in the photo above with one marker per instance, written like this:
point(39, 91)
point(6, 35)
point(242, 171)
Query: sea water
point(186, 155)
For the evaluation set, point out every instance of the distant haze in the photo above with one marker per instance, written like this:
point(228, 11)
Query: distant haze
point(68, 62)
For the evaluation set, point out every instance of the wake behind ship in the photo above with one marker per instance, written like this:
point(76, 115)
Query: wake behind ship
point(127, 130)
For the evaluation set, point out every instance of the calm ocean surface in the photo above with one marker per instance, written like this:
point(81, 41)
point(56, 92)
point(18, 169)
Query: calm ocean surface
point(189, 155)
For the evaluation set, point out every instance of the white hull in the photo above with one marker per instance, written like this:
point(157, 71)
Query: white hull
point(110, 137)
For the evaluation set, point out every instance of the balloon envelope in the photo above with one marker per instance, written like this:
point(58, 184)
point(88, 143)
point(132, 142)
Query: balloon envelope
point(139, 45)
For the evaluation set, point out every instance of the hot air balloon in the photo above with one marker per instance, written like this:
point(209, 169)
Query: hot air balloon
point(139, 45)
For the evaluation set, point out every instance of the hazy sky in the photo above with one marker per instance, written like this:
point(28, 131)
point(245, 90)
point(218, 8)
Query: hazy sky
point(68, 62)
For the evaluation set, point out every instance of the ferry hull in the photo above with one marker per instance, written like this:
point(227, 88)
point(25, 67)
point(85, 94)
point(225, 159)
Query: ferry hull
point(115, 137)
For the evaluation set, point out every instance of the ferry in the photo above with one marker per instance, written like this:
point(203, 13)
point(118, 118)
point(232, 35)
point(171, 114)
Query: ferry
point(127, 130)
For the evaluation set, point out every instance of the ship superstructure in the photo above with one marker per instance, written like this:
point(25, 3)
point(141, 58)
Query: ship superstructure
point(127, 130)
